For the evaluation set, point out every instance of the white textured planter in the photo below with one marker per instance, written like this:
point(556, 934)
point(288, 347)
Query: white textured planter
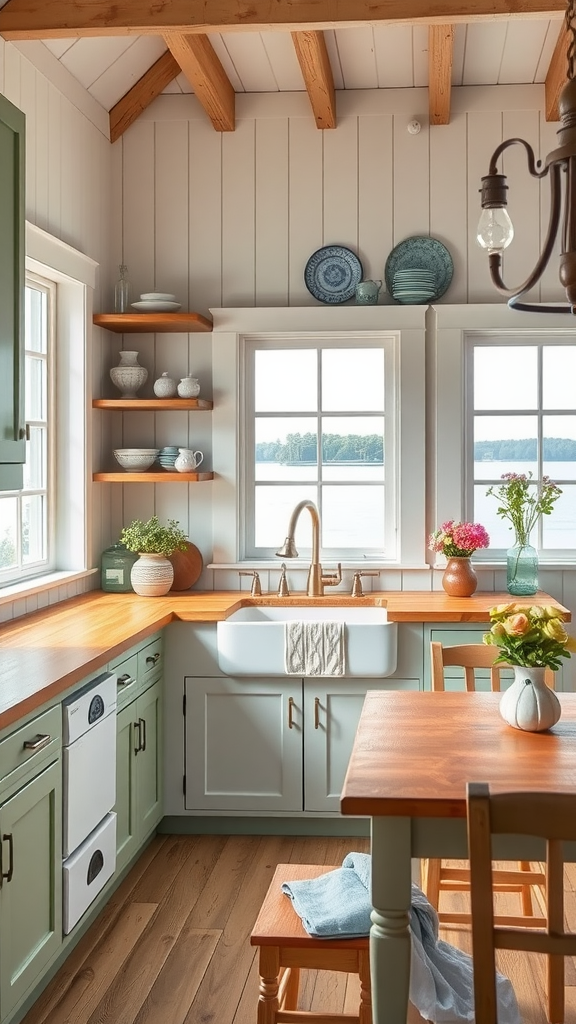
point(152, 575)
point(529, 704)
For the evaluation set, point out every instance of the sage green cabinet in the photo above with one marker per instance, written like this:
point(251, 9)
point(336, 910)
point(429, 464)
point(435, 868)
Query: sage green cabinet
point(138, 772)
point(243, 744)
point(12, 248)
point(277, 744)
point(31, 883)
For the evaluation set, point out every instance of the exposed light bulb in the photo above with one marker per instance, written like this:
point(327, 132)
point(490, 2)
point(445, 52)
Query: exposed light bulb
point(495, 229)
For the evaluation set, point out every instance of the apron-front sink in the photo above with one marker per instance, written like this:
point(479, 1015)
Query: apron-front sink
point(252, 640)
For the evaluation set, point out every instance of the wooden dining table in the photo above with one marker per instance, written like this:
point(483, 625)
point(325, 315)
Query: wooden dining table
point(413, 754)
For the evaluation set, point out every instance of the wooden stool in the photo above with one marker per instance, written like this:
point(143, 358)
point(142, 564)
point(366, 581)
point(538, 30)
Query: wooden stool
point(285, 947)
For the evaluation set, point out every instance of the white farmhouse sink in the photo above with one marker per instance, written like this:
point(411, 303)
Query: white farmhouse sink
point(251, 641)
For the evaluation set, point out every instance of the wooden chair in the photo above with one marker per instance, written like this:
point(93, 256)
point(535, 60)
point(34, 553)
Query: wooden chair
point(436, 877)
point(285, 948)
point(553, 817)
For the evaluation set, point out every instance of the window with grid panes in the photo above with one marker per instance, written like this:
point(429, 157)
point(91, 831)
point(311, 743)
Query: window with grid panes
point(25, 539)
point(320, 423)
point(521, 418)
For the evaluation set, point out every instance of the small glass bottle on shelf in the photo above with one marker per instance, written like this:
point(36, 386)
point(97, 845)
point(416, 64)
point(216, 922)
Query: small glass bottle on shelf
point(122, 291)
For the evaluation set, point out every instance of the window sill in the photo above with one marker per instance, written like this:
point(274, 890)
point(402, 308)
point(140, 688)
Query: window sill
point(40, 584)
point(301, 564)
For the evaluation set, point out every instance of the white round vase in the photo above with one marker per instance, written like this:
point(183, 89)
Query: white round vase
point(530, 704)
point(128, 376)
point(165, 387)
point(189, 387)
point(152, 575)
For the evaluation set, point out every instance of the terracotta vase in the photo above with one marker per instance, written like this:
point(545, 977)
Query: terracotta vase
point(459, 579)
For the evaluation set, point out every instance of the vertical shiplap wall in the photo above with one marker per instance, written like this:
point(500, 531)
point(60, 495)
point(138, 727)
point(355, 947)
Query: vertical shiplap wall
point(244, 210)
point(68, 193)
point(230, 219)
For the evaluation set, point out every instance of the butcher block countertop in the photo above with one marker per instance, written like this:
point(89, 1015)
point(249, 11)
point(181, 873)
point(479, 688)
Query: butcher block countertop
point(46, 653)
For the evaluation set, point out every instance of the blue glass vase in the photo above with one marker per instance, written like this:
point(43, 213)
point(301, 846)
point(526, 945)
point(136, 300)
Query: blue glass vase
point(522, 570)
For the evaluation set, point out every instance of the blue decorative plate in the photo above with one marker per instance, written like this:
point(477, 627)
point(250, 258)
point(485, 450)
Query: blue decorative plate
point(332, 273)
point(422, 253)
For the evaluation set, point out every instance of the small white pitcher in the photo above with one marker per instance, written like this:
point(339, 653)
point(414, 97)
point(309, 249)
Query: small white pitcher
point(188, 460)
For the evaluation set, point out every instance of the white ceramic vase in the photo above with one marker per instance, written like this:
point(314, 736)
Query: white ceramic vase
point(128, 376)
point(152, 575)
point(165, 387)
point(530, 704)
point(189, 387)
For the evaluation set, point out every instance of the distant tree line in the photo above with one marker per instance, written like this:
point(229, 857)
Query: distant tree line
point(554, 449)
point(335, 448)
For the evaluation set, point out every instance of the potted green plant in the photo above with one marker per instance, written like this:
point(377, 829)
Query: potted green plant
point(152, 574)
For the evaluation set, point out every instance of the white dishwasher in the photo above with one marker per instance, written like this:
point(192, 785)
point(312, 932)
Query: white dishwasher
point(89, 794)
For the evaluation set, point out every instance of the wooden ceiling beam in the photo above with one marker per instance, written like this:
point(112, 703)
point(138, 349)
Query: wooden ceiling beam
point(440, 55)
point(37, 19)
point(314, 62)
point(557, 75)
point(212, 87)
point(140, 96)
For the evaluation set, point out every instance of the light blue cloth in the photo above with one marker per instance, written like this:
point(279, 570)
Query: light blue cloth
point(337, 905)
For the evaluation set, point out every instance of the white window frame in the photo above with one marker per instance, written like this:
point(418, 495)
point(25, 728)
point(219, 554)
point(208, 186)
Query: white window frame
point(388, 344)
point(450, 444)
point(74, 276)
point(407, 324)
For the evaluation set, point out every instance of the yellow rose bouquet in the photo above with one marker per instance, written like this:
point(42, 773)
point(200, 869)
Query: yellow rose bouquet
point(529, 635)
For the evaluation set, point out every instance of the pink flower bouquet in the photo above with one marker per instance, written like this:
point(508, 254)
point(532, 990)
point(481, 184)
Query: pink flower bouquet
point(459, 540)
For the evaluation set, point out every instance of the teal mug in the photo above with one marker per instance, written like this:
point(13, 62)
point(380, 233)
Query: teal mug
point(367, 293)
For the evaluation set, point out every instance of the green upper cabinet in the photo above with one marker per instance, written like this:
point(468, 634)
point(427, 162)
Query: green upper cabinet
point(12, 177)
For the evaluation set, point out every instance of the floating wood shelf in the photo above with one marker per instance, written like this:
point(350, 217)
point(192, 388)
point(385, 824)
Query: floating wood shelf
point(150, 323)
point(151, 404)
point(161, 477)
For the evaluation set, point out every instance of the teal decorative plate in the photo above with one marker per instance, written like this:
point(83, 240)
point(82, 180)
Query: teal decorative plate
point(332, 273)
point(421, 253)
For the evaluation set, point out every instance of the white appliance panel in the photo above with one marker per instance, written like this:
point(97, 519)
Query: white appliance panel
point(89, 781)
point(88, 706)
point(86, 872)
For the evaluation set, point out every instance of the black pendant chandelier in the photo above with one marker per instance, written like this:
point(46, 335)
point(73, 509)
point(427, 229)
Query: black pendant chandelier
point(495, 230)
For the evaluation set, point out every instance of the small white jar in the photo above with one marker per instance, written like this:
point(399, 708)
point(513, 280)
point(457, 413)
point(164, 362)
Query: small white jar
point(165, 387)
point(189, 387)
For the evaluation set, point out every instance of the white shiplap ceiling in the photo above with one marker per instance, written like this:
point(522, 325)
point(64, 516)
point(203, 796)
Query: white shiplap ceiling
point(506, 50)
point(515, 52)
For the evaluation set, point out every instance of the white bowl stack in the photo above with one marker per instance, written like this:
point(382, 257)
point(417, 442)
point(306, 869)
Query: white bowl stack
point(414, 286)
point(157, 302)
point(136, 460)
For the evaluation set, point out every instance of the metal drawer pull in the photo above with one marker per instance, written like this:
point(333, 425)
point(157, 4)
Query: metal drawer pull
point(316, 712)
point(291, 706)
point(42, 740)
point(153, 658)
point(126, 679)
point(142, 722)
point(137, 746)
point(8, 874)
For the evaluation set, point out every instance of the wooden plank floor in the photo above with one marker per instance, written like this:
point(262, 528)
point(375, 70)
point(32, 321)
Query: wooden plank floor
point(172, 945)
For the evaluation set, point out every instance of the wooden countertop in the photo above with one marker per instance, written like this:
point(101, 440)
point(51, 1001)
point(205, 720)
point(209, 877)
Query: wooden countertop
point(44, 654)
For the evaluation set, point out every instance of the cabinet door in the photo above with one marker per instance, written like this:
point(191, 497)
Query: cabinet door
point(331, 714)
point(12, 169)
point(31, 900)
point(243, 744)
point(148, 758)
point(127, 831)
